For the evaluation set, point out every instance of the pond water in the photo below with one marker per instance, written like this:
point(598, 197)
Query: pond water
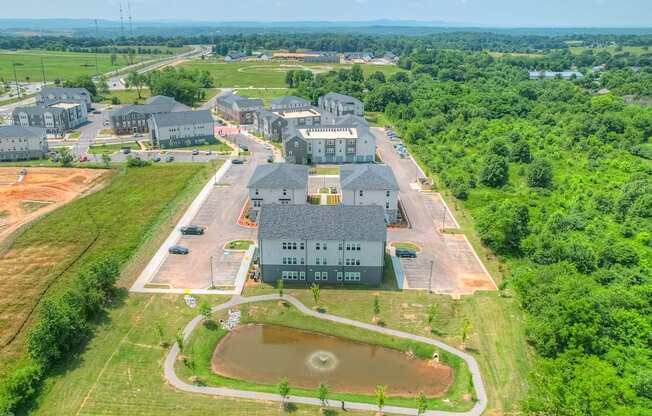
point(266, 353)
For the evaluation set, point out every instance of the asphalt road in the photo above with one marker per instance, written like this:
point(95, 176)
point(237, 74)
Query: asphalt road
point(219, 214)
point(455, 268)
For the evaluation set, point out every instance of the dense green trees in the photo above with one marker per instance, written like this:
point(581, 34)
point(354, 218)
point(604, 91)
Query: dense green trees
point(183, 85)
point(550, 172)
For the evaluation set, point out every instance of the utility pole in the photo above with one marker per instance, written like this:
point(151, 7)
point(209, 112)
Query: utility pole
point(16, 79)
point(97, 69)
point(43, 71)
point(122, 26)
point(432, 262)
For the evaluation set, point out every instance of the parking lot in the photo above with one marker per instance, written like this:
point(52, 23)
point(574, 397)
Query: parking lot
point(456, 270)
point(208, 263)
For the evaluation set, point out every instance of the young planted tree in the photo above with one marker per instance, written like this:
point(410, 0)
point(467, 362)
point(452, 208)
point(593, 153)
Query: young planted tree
point(137, 81)
point(315, 293)
point(422, 403)
point(279, 286)
point(433, 310)
point(106, 159)
point(322, 393)
point(180, 342)
point(376, 308)
point(65, 157)
point(284, 390)
point(161, 334)
point(205, 310)
point(381, 395)
point(466, 329)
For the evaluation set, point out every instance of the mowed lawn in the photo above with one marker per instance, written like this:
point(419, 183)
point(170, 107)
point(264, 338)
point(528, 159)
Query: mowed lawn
point(113, 221)
point(58, 65)
point(261, 74)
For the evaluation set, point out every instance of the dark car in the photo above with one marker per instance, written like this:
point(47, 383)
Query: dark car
point(126, 150)
point(333, 190)
point(270, 159)
point(178, 250)
point(243, 147)
point(237, 161)
point(406, 252)
point(192, 230)
point(169, 159)
point(195, 152)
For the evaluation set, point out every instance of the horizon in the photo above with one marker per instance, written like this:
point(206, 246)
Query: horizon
point(458, 13)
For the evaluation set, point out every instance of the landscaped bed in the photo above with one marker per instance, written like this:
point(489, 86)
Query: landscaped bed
point(200, 349)
point(98, 149)
point(238, 245)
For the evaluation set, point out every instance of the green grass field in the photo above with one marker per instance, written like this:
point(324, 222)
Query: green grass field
point(260, 74)
point(107, 149)
point(127, 96)
point(58, 65)
point(216, 147)
point(204, 341)
point(108, 222)
point(264, 94)
point(634, 50)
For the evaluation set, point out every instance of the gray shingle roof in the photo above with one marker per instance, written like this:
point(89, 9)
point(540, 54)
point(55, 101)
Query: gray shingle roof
point(239, 100)
point(181, 118)
point(322, 222)
point(341, 97)
point(38, 110)
point(289, 100)
point(155, 105)
point(352, 120)
point(268, 115)
point(368, 177)
point(279, 175)
point(20, 131)
point(62, 90)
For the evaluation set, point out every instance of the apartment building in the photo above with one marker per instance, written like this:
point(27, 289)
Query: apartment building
point(60, 94)
point(370, 184)
point(182, 128)
point(56, 117)
point(325, 244)
point(278, 183)
point(340, 143)
point(22, 143)
point(341, 105)
point(134, 118)
point(238, 108)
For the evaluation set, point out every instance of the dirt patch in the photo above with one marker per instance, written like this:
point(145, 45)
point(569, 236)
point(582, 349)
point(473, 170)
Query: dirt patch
point(25, 198)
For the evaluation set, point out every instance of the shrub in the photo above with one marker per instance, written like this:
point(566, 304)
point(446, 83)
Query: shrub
point(540, 174)
point(494, 171)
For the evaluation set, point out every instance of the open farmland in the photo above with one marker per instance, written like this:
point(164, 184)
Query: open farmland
point(114, 221)
point(24, 198)
point(261, 74)
point(59, 65)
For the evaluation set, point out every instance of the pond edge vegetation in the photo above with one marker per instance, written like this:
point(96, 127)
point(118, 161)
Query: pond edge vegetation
point(479, 394)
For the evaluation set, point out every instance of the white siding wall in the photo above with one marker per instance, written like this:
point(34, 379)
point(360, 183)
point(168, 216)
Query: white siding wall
point(185, 131)
point(370, 253)
point(351, 197)
point(273, 196)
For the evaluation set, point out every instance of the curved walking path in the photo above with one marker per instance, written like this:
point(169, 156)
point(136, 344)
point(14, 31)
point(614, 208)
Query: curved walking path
point(172, 378)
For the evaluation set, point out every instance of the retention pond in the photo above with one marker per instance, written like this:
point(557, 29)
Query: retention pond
point(266, 353)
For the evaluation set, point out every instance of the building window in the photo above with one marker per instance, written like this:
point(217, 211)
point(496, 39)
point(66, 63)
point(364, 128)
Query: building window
point(357, 246)
point(324, 262)
point(339, 276)
point(386, 205)
point(361, 192)
point(302, 275)
point(317, 245)
point(348, 247)
point(387, 194)
point(285, 246)
point(317, 275)
point(285, 260)
point(301, 246)
point(302, 260)
point(325, 246)
point(317, 260)
point(339, 246)
point(285, 192)
point(324, 276)
point(256, 192)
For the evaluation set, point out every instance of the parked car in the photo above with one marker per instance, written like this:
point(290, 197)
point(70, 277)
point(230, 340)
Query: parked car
point(195, 152)
point(209, 152)
point(237, 161)
point(126, 150)
point(169, 158)
point(192, 230)
point(243, 147)
point(138, 135)
point(333, 190)
point(406, 252)
point(106, 123)
point(156, 159)
point(270, 159)
point(97, 112)
point(178, 250)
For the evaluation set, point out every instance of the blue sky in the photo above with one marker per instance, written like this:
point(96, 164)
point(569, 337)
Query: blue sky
point(515, 13)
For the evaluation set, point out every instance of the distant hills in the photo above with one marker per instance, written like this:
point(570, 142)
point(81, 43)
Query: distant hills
point(383, 26)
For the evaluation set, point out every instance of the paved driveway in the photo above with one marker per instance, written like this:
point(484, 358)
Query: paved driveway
point(219, 214)
point(455, 268)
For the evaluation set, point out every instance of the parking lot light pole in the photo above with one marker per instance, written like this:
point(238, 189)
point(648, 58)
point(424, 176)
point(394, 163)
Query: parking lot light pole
point(212, 282)
point(432, 262)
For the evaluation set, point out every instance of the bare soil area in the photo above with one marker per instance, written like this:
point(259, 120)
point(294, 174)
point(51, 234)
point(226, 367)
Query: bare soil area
point(23, 198)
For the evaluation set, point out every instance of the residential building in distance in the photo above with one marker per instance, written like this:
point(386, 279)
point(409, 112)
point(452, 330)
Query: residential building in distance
point(307, 56)
point(182, 128)
point(301, 117)
point(22, 143)
point(288, 103)
point(56, 117)
point(326, 244)
point(52, 94)
point(339, 143)
point(237, 108)
point(370, 184)
point(237, 56)
point(567, 75)
point(278, 183)
point(270, 125)
point(341, 105)
point(134, 118)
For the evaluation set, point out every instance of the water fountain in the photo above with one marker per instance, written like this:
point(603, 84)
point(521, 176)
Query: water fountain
point(322, 361)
